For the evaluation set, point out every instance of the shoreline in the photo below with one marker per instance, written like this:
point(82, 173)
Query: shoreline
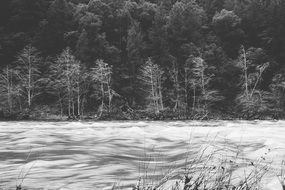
point(131, 120)
point(143, 116)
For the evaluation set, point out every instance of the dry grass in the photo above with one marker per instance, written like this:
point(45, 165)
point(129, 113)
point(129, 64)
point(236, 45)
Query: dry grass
point(213, 171)
point(282, 175)
point(211, 168)
point(24, 172)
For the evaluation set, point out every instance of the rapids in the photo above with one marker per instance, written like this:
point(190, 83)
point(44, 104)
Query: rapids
point(95, 155)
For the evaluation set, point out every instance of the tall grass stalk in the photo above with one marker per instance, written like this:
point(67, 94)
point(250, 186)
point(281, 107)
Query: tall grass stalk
point(211, 171)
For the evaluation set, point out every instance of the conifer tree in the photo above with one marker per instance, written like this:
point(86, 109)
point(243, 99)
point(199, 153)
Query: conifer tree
point(134, 52)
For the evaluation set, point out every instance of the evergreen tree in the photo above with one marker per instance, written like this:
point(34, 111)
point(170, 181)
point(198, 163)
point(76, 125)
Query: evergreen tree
point(58, 22)
point(134, 49)
point(227, 27)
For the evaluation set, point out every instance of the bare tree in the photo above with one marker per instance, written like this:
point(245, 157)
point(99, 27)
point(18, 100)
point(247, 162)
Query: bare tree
point(56, 84)
point(101, 75)
point(27, 71)
point(68, 76)
point(251, 98)
point(151, 76)
point(174, 76)
point(203, 95)
point(187, 83)
point(7, 87)
point(83, 89)
point(181, 78)
point(278, 90)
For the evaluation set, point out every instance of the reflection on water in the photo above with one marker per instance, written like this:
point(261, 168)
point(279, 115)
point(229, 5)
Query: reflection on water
point(95, 155)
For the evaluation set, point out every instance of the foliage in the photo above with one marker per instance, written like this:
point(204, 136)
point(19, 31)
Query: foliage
point(227, 26)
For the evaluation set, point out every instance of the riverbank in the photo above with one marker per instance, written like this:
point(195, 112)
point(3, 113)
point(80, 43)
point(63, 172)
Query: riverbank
point(140, 116)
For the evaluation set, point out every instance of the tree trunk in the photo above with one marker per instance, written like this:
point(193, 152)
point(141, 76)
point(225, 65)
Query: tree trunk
point(245, 73)
point(186, 88)
point(61, 109)
point(133, 79)
point(69, 102)
point(176, 86)
point(203, 82)
point(78, 99)
point(29, 82)
point(73, 108)
point(103, 96)
point(20, 104)
point(255, 85)
point(194, 96)
point(177, 91)
point(69, 94)
point(9, 90)
point(160, 93)
point(153, 94)
point(109, 93)
point(82, 106)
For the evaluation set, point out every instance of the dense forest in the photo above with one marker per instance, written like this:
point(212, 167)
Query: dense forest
point(142, 59)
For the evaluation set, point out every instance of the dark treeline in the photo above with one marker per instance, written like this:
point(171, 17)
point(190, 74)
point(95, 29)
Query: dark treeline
point(135, 59)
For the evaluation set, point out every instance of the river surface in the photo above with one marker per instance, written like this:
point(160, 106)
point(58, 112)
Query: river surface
point(95, 155)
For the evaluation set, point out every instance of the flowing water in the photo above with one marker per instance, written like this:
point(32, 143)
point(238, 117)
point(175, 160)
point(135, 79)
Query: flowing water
point(95, 155)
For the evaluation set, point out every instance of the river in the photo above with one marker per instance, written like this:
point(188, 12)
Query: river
point(95, 155)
